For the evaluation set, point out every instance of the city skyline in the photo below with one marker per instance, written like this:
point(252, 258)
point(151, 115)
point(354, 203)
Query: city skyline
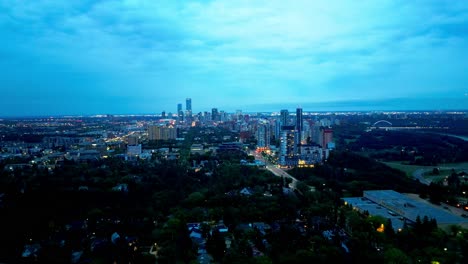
point(143, 57)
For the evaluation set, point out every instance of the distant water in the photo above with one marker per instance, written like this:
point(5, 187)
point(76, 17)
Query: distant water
point(396, 104)
point(460, 137)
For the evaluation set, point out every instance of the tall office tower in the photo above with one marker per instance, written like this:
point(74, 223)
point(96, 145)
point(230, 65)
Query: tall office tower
point(288, 146)
point(299, 121)
point(263, 135)
point(284, 117)
point(188, 106)
point(214, 114)
point(161, 132)
point(180, 113)
point(299, 126)
point(222, 116)
point(199, 118)
point(163, 114)
point(277, 131)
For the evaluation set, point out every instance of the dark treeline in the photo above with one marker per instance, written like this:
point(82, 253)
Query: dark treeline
point(353, 173)
point(414, 148)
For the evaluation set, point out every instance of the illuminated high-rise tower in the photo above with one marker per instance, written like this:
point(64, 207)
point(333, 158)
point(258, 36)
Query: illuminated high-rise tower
point(263, 135)
point(288, 147)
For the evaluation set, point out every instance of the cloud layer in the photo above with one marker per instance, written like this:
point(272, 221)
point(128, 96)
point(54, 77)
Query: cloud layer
point(135, 56)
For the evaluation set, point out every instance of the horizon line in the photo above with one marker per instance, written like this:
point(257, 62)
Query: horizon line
point(97, 115)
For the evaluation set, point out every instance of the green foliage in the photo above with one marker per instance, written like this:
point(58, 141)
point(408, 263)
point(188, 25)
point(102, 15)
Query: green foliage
point(195, 198)
point(216, 246)
point(396, 256)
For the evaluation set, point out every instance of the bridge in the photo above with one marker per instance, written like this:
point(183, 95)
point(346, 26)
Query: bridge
point(382, 122)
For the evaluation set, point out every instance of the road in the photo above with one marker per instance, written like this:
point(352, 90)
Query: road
point(275, 170)
point(419, 173)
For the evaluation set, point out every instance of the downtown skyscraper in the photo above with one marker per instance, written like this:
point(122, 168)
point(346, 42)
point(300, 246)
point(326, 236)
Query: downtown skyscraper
point(188, 107)
point(284, 117)
point(263, 135)
point(299, 120)
point(180, 113)
point(299, 125)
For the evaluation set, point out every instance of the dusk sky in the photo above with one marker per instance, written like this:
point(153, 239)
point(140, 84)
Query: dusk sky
point(121, 57)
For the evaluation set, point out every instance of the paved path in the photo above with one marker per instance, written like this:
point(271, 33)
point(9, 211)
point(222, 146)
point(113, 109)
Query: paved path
point(275, 170)
point(419, 173)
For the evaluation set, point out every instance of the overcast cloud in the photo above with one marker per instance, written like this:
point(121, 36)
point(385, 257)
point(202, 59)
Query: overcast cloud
point(88, 57)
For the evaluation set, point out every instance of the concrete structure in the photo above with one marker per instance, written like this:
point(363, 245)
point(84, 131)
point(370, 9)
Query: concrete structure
point(132, 140)
point(277, 128)
point(315, 133)
point(299, 126)
point(299, 121)
point(180, 113)
point(309, 155)
point(161, 132)
point(229, 146)
point(188, 107)
point(326, 137)
point(215, 114)
point(284, 117)
point(188, 104)
point(288, 146)
point(134, 150)
point(400, 208)
point(197, 149)
point(263, 135)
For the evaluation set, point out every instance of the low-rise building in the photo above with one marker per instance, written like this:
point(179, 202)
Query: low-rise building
point(401, 208)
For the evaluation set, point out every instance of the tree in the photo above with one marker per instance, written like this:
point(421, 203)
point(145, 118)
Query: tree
point(195, 198)
point(389, 231)
point(396, 256)
point(216, 246)
point(302, 187)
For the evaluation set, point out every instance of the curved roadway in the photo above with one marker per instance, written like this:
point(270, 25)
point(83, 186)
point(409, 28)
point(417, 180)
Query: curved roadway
point(275, 170)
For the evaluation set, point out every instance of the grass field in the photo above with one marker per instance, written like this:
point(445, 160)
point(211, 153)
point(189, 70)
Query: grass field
point(444, 171)
point(408, 169)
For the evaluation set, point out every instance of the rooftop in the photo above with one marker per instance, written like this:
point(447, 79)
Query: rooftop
point(411, 208)
point(396, 206)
